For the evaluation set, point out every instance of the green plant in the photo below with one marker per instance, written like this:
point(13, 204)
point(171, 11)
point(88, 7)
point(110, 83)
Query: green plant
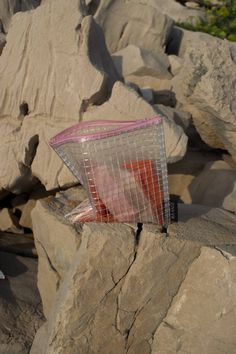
point(220, 20)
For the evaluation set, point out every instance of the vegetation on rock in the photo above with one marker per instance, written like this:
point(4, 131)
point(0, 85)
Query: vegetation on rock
point(220, 20)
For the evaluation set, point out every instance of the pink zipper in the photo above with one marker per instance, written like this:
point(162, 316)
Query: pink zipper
point(68, 135)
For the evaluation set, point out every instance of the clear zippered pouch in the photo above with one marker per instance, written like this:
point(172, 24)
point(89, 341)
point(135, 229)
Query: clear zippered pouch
point(122, 165)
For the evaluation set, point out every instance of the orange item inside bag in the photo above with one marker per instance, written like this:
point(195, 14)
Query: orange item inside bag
point(146, 176)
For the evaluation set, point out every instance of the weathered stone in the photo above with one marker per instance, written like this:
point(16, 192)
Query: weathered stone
point(182, 173)
point(153, 82)
point(25, 219)
point(9, 222)
point(133, 22)
point(212, 227)
point(74, 70)
point(203, 123)
point(174, 10)
point(75, 194)
point(202, 315)
point(126, 104)
point(104, 257)
point(206, 87)
point(179, 117)
point(9, 7)
point(136, 61)
point(56, 242)
point(138, 286)
point(20, 305)
point(215, 186)
point(175, 64)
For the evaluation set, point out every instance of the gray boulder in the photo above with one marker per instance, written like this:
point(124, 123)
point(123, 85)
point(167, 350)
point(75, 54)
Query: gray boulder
point(133, 22)
point(205, 86)
point(74, 70)
point(122, 294)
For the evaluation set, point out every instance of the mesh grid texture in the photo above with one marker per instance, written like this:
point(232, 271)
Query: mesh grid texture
point(124, 170)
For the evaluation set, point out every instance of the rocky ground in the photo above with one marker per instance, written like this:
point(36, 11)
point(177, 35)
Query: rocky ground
point(110, 288)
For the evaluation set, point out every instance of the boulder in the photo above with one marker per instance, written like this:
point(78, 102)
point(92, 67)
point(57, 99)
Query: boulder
point(133, 22)
point(175, 10)
point(144, 283)
point(126, 104)
point(179, 117)
point(56, 243)
point(175, 64)
point(136, 61)
point(74, 70)
point(9, 7)
point(153, 82)
point(205, 86)
point(210, 288)
point(20, 305)
point(215, 186)
point(183, 173)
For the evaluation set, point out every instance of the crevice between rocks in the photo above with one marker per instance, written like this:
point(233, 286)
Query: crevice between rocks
point(49, 261)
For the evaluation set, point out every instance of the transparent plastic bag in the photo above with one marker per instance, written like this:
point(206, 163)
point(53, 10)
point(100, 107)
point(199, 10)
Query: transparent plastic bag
point(122, 165)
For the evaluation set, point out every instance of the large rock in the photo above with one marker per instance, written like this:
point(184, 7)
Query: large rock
point(10, 7)
point(25, 219)
point(209, 288)
point(120, 291)
point(182, 174)
point(126, 104)
point(74, 70)
point(56, 242)
point(20, 305)
point(133, 22)
point(215, 186)
point(174, 9)
point(206, 87)
point(135, 61)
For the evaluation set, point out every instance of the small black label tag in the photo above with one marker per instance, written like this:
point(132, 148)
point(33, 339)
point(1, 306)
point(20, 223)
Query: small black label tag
point(174, 211)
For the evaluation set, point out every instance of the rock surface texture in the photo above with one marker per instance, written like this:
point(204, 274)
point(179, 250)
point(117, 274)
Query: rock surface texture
point(136, 61)
point(206, 87)
point(215, 186)
point(74, 73)
point(20, 304)
point(9, 7)
point(38, 103)
point(56, 243)
point(146, 289)
point(133, 22)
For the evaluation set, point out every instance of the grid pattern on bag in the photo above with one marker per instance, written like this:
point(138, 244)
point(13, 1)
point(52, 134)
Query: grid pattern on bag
point(124, 173)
